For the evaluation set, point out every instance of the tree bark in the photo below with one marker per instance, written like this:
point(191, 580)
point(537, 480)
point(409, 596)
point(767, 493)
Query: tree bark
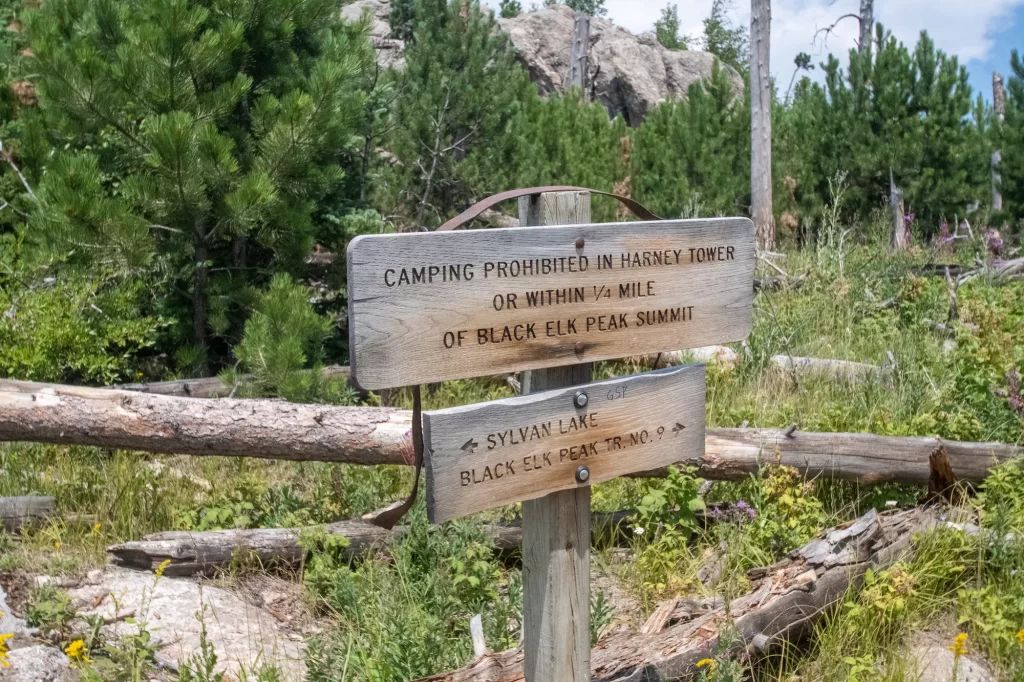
point(761, 124)
point(274, 429)
point(867, 25)
point(18, 512)
point(204, 552)
point(783, 605)
point(578, 53)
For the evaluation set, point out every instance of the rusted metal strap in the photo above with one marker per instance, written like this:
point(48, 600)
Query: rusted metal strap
point(388, 518)
point(638, 209)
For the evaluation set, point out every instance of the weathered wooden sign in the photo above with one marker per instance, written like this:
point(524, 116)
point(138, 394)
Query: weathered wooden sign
point(485, 455)
point(432, 306)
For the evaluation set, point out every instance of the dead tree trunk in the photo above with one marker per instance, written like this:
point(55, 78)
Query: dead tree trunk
point(578, 53)
point(272, 429)
point(761, 124)
point(784, 603)
point(18, 512)
point(999, 108)
point(900, 228)
point(204, 552)
point(867, 24)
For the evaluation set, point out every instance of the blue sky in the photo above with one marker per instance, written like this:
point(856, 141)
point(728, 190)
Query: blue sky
point(980, 32)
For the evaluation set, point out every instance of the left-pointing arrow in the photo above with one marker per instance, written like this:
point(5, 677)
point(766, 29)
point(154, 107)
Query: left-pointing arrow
point(470, 446)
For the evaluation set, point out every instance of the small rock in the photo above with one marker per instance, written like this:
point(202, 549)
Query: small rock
point(935, 662)
point(37, 663)
point(94, 576)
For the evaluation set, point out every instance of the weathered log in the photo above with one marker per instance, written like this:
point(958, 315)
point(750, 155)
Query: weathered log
point(18, 512)
point(274, 429)
point(203, 552)
point(785, 602)
point(827, 367)
point(211, 387)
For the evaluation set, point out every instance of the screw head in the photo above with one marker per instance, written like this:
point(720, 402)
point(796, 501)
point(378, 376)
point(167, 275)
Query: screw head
point(582, 474)
point(580, 399)
point(579, 242)
point(579, 348)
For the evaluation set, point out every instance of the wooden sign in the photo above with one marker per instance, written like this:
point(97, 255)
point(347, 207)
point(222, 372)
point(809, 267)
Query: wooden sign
point(431, 306)
point(485, 455)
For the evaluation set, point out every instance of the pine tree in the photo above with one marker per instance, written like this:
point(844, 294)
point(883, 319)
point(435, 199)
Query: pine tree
point(727, 42)
point(593, 8)
point(667, 28)
point(462, 98)
point(221, 130)
point(1012, 141)
point(510, 9)
point(692, 156)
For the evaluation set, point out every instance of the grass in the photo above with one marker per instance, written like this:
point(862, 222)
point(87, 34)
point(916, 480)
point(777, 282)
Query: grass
point(407, 614)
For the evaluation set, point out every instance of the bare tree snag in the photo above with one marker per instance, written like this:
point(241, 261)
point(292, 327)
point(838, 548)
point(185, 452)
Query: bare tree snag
point(19, 512)
point(867, 25)
point(761, 124)
point(999, 108)
point(271, 429)
point(784, 603)
point(579, 53)
point(900, 228)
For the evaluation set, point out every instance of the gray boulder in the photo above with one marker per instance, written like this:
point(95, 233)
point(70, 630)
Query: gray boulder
point(390, 52)
point(629, 74)
point(37, 663)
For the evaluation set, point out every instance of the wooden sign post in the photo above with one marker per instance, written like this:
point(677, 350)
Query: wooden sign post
point(426, 307)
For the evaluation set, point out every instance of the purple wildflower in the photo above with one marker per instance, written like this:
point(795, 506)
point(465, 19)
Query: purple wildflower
point(742, 505)
point(993, 242)
point(1013, 392)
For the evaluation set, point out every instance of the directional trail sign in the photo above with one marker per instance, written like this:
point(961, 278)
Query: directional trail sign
point(432, 306)
point(485, 455)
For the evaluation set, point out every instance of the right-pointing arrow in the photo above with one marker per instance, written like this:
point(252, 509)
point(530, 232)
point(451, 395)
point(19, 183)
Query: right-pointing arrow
point(677, 428)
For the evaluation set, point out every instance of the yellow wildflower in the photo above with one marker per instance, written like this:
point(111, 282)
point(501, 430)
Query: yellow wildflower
point(711, 663)
point(56, 545)
point(1020, 637)
point(4, 649)
point(96, 528)
point(159, 572)
point(959, 646)
point(77, 653)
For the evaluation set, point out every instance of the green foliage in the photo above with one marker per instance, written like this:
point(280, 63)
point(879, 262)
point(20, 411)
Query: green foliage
point(727, 42)
point(50, 609)
point(283, 347)
point(787, 513)
point(1012, 138)
point(409, 617)
point(670, 504)
point(601, 615)
point(463, 95)
point(510, 8)
point(570, 141)
point(693, 156)
point(594, 8)
point(214, 129)
point(74, 329)
point(908, 110)
point(667, 28)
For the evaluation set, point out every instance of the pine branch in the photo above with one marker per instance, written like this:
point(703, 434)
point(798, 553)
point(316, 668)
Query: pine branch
point(10, 161)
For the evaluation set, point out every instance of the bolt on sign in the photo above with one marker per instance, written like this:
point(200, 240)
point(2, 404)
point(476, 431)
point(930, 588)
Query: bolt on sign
point(486, 455)
point(432, 306)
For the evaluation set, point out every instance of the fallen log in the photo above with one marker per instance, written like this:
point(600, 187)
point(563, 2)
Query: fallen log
point(211, 387)
point(274, 429)
point(19, 512)
point(784, 603)
point(203, 552)
point(827, 367)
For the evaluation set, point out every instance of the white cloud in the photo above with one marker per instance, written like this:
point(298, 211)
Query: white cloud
point(960, 28)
